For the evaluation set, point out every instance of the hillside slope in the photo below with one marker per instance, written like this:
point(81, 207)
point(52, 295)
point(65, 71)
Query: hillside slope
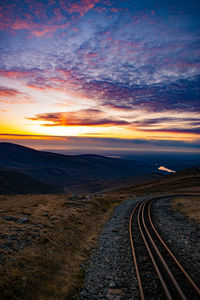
point(17, 183)
point(62, 171)
point(185, 180)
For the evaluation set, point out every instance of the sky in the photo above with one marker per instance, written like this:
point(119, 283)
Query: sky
point(100, 75)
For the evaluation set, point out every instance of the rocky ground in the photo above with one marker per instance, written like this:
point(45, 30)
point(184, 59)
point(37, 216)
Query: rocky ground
point(111, 275)
point(181, 234)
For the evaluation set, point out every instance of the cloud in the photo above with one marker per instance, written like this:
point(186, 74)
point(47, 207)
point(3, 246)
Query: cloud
point(195, 130)
point(81, 7)
point(147, 64)
point(13, 96)
point(38, 30)
point(118, 56)
point(42, 18)
point(138, 122)
point(180, 95)
point(8, 92)
point(104, 146)
point(87, 117)
point(169, 121)
point(15, 73)
point(175, 125)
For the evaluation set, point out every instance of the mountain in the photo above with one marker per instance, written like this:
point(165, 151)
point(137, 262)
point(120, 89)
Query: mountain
point(63, 172)
point(17, 183)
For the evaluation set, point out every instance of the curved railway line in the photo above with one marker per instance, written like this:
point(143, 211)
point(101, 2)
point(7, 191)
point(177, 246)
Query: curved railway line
point(159, 273)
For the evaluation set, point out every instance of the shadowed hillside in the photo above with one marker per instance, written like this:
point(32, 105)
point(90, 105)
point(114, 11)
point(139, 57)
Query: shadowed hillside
point(62, 172)
point(17, 183)
point(185, 180)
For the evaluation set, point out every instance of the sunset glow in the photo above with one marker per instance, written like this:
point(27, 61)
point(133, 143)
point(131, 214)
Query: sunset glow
point(100, 72)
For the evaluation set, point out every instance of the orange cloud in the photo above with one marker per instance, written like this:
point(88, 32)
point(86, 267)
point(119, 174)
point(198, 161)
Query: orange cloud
point(11, 96)
point(8, 92)
point(15, 74)
point(30, 136)
point(85, 117)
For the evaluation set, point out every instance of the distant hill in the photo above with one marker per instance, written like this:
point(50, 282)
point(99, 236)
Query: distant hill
point(17, 183)
point(187, 180)
point(63, 172)
point(176, 161)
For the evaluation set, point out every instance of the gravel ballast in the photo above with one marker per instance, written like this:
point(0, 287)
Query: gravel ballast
point(111, 274)
point(181, 235)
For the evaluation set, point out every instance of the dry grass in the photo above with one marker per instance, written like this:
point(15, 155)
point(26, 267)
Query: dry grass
point(189, 206)
point(41, 258)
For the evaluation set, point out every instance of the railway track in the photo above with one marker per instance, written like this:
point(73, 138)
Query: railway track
point(159, 274)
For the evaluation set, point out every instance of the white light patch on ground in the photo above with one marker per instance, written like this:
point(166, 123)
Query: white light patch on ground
point(165, 169)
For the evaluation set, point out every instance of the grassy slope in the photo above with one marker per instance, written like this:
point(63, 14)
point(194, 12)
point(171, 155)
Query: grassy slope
point(189, 206)
point(41, 257)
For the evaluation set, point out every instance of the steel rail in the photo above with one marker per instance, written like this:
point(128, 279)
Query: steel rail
point(141, 206)
point(134, 255)
point(169, 251)
point(171, 276)
point(168, 295)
